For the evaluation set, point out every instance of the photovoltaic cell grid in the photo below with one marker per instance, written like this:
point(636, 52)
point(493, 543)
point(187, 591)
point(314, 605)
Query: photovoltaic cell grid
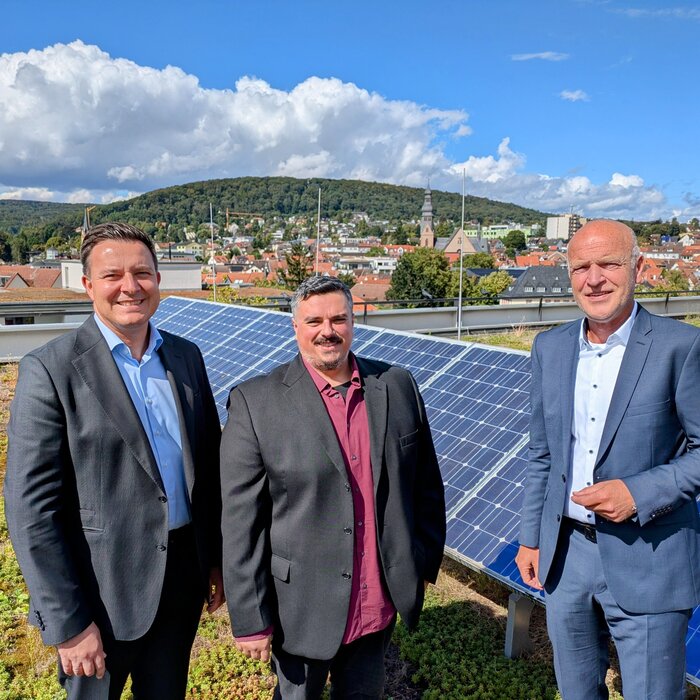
point(476, 399)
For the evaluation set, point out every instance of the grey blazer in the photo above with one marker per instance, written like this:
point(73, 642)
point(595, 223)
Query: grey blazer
point(85, 504)
point(651, 440)
point(287, 505)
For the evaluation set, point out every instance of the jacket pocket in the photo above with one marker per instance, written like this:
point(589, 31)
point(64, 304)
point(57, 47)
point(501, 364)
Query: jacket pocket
point(280, 568)
point(409, 439)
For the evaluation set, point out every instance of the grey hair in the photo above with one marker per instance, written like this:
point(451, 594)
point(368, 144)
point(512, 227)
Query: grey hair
point(313, 286)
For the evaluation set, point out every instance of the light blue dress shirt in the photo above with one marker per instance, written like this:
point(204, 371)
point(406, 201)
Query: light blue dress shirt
point(152, 396)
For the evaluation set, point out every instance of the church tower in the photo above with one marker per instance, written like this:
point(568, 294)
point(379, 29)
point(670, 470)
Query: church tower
point(427, 235)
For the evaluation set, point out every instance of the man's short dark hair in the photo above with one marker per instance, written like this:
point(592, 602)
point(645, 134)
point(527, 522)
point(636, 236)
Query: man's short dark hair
point(319, 285)
point(113, 231)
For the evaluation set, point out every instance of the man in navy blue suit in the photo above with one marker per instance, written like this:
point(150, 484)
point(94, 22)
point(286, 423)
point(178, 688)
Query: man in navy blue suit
point(610, 525)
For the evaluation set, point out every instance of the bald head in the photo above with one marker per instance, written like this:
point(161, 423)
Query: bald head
point(615, 233)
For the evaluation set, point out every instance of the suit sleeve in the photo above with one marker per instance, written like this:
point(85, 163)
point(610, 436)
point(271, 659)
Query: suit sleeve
point(430, 498)
point(538, 459)
point(665, 487)
point(40, 517)
point(245, 523)
point(212, 441)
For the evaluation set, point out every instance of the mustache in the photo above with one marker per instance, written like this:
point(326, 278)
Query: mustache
point(328, 339)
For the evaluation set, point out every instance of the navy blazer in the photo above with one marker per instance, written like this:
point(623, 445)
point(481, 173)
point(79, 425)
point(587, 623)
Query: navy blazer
point(650, 441)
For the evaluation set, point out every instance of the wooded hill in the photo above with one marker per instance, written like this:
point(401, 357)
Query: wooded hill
point(188, 205)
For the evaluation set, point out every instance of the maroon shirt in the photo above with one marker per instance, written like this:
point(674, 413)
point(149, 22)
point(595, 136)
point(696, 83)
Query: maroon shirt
point(370, 607)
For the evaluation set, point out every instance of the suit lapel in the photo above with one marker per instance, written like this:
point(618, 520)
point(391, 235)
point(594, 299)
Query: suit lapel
point(377, 415)
point(567, 387)
point(95, 365)
point(183, 394)
point(303, 397)
point(631, 368)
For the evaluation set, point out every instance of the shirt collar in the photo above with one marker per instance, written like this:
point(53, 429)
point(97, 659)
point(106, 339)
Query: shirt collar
point(114, 342)
point(322, 384)
point(620, 337)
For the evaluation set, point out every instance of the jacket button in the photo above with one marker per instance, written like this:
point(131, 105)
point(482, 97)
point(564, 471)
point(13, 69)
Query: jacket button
point(347, 487)
point(347, 575)
point(558, 518)
point(347, 530)
point(563, 478)
point(161, 547)
point(162, 499)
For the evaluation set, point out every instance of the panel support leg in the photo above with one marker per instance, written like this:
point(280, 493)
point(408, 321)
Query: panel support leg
point(518, 626)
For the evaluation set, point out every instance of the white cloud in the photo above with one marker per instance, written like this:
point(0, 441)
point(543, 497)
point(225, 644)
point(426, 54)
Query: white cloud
point(80, 126)
point(625, 181)
point(505, 179)
point(542, 55)
point(682, 13)
point(574, 96)
point(77, 117)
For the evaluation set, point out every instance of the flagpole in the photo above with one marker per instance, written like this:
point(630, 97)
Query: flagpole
point(213, 259)
point(318, 231)
point(461, 266)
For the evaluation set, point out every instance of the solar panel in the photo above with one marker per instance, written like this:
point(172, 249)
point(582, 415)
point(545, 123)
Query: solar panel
point(476, 397)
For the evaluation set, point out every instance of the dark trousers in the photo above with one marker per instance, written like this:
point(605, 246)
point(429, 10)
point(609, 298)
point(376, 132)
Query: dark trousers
point(357, 671)
point(157, 662)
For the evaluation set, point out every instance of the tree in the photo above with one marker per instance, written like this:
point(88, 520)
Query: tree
point(515, 242)
point(376, 250)
point(347, 278)
point(5, 247)
point(481, 290)
point(425, 269)
point(479, 260)
point(20, 249)
point(298, 266)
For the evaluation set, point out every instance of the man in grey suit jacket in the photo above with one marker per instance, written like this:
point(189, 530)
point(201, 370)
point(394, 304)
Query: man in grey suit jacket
point(610, 524)
point(112, 487)
point(334, 513)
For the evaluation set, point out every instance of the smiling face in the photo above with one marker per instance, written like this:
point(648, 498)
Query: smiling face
point(122, 282)
point(603, 275)
point(323, 326)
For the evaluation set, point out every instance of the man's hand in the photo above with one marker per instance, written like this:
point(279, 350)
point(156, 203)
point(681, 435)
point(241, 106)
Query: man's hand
point(258, 649)
point(528, 561)
point(610, 499)
point(216, 596)
point(83, 655)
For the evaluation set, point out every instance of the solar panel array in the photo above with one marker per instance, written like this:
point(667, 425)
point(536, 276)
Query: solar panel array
point(476, 398)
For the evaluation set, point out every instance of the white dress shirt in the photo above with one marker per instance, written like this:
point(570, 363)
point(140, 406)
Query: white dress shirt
point(596, 374)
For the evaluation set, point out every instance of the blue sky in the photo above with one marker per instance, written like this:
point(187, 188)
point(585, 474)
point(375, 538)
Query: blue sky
point(559, 104)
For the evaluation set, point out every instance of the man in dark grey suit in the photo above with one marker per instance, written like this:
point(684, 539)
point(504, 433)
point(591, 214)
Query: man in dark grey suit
point(334, 512)
point(112, 488)
point(610, 526)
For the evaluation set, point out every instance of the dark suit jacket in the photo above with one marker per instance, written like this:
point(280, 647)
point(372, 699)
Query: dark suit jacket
point(651, 440)
point(287, 502)
point(85, 504)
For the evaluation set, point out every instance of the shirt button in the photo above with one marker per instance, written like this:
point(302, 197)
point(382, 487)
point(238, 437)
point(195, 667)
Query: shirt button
point(354, 457)
point(364, 585)
point(595, 386)
point(593, 420)
point(590, 452)
point(359, 524)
